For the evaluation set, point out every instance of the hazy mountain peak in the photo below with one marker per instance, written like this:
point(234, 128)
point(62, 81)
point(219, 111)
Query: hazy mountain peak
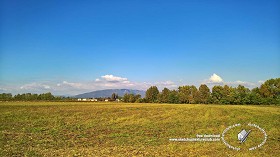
point(108, 93)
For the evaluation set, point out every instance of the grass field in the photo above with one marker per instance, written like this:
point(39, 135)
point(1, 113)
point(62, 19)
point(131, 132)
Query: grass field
point(117, 129)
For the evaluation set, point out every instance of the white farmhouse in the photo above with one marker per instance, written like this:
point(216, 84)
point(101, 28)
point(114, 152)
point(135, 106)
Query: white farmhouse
point(93, 100)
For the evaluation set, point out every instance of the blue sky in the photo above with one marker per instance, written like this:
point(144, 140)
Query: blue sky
point(68, 47)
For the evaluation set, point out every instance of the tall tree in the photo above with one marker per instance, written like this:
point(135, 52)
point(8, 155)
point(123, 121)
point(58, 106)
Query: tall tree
point(163, 96)
point(270, 91)
point(173, 97)
point(114, 96)
point(225, 95)
point(242, 94)
point(255, 97)
point(203, 94)
point(217, 94)
point(270, 88)
point(126, 97)
point(152, 94)
point(187, 94)
point(132, 98)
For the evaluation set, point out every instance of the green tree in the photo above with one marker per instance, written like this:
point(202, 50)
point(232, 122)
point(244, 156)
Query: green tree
point(126, 97)
point(137, 98)
point(203, 94)
point(225, 95)
point(242, 94)
point(18, 97)
point(163, 96)
point(173, 97)
point(46, 96)
point(232, 96)
point(270, 91)
point(217, 94)
point(255, 97)
point(187, 94)
point(152, 94)
point(6, 96)
point(131, 98)
point(114, 96)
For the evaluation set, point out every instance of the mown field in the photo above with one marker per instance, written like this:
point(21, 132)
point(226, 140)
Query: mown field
point(118, 129)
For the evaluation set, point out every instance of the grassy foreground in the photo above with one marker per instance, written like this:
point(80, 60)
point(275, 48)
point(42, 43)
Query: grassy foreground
point(117, 129)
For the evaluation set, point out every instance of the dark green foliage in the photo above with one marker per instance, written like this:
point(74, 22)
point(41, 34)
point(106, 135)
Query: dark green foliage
point(268, 93)
point(126, 97)
point(217, 94)
point(187, 94)
point(32, 97)
point(114, 96)
point(132, 98)
point(6, 96)
point(163, 97)
point(152, 94)
point(203, 95)
point(173, 97)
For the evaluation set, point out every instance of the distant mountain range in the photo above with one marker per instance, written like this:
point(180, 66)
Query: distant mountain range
point(108, 93)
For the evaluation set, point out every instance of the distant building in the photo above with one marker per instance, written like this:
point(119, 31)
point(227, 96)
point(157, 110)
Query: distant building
point(93, 99)
point(106, 100)
point(90, 99)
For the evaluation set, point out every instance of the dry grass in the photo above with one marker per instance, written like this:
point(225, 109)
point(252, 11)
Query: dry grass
point(108, 129)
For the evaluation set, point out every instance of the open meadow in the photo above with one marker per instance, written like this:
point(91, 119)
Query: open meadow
point(119, 129)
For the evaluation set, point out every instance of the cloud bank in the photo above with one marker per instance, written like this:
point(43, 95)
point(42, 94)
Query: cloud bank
point(110, 81)
point(217, 80)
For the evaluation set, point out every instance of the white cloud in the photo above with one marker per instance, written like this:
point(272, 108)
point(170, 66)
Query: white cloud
point(215, 79)
point(113, 78)
point(71, 84)
point(126, 82)
point(46, 86)
point(3, 89)
point(244, 83)
point(167, 84)
point(111, 81)
point(32, 86)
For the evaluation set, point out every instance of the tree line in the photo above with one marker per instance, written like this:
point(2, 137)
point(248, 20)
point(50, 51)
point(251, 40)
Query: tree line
point(267, 93)
point(33, 97)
